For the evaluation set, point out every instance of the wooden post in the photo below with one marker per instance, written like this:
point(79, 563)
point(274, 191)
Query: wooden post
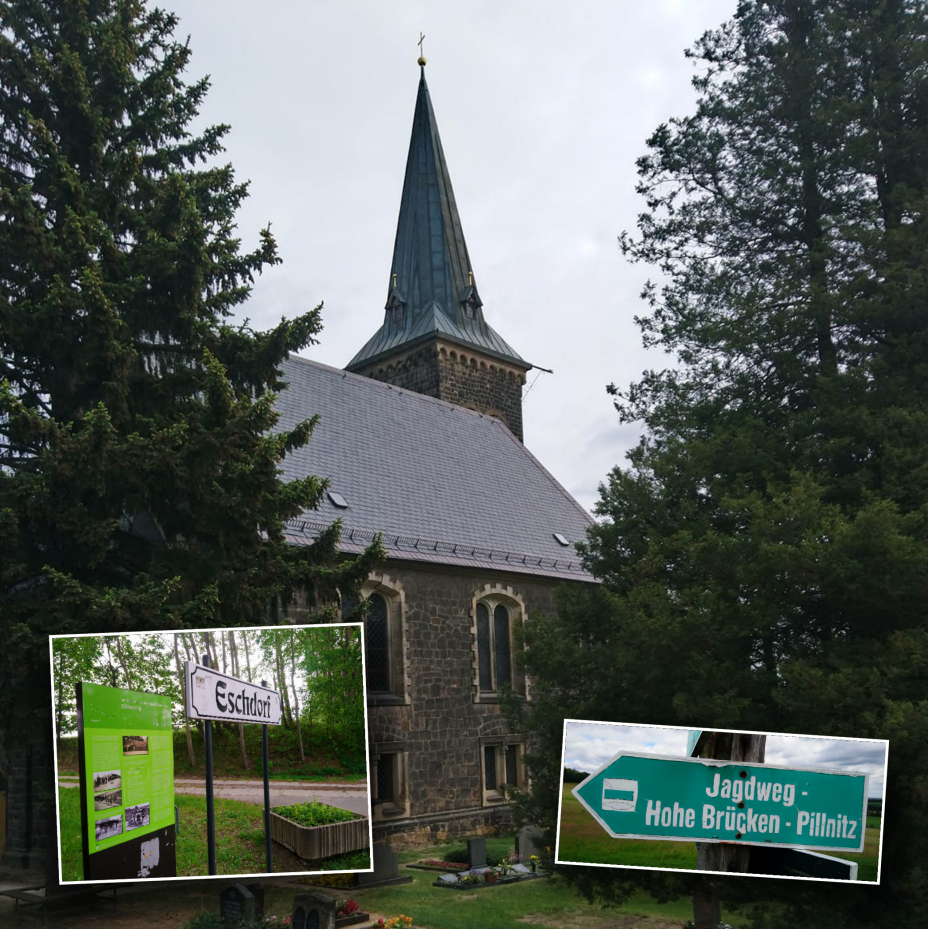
point(723, 856)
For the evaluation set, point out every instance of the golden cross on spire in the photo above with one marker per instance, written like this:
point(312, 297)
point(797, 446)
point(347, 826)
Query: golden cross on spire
point(422, 58)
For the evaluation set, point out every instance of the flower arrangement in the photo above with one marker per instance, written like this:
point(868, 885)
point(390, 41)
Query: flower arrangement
point(345, 908)
point(395, 922)
point(450, 865)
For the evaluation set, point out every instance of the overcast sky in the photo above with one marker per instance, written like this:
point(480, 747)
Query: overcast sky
point(588, 745)
point(543, 108)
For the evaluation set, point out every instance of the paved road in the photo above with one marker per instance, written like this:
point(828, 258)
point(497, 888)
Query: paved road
point(344, 796)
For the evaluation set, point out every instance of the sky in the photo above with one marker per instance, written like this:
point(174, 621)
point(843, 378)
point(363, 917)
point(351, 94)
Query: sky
point(543, 109)
point(587, 745)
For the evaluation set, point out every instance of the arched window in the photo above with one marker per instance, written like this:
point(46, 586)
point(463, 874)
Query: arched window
point(383, 639)
point(494, 654)
point(378, 645)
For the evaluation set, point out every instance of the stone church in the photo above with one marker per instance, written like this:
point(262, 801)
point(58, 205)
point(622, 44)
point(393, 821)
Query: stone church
point(421, 438)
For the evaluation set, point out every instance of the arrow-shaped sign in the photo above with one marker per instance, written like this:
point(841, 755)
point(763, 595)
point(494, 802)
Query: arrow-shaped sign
point(700, 800)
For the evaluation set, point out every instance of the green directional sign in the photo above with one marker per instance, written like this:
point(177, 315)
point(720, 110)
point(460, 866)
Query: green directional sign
point(700, 800)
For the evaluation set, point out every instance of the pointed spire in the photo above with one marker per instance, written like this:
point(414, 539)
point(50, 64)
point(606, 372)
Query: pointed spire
point(432, 288)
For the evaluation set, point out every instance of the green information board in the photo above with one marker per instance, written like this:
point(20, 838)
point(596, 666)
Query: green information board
point(127, 779)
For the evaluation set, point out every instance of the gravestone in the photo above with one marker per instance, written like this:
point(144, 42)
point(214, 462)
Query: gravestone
point(530, 841)
point(257, 891)
point(313, 911)
point(477, 853)
point(236, 903)
point(386, 866)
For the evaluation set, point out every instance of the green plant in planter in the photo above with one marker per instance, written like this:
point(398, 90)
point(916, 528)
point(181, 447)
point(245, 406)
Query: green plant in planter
point(314, 814)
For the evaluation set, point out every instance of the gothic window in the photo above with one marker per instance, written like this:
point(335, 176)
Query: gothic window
point(502, 768)
point(493, 647)
point(378, 646)
point(496, 614)
point(383, 640)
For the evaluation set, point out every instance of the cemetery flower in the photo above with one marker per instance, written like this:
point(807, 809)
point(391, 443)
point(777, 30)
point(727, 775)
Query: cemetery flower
point(346, 908)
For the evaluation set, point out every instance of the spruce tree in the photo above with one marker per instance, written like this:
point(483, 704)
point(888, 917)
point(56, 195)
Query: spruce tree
point(139, 467)
point(763, 553)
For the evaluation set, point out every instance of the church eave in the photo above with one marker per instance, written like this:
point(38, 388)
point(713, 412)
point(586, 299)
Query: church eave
point(357, 364)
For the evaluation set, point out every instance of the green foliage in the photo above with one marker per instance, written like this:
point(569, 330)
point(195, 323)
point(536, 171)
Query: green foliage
point(763, 554)
point(314, 813)
point(139, 468)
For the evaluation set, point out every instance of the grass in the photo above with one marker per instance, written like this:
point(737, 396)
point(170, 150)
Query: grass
point(240, 844)
point(314, 814)
point(543, 903)
point(583, 839)
point(328, 758)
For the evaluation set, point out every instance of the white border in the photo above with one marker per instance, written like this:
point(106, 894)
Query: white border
point(789, 735)
point(199, 877)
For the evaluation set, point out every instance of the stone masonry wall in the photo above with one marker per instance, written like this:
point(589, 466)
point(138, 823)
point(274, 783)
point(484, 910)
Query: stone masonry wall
point(461, 377)
point(441, 725)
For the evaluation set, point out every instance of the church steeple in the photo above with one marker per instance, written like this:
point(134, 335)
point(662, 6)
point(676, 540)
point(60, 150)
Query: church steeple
point(432, 297)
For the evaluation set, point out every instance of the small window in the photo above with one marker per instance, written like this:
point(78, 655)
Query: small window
point(388, 779)
point(502, 769)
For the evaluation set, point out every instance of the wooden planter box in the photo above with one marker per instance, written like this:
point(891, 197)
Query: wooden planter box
point(312, 842)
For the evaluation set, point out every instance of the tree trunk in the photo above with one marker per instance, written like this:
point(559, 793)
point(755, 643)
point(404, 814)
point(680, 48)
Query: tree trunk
point(183, 696)
point(296, 699)
point(122, 662)
point(236, 671)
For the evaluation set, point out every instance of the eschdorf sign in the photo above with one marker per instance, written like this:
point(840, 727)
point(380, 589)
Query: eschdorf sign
point(700, 800)
point(213, 695)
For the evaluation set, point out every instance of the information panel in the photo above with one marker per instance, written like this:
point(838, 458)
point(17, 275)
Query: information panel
point(127, 782)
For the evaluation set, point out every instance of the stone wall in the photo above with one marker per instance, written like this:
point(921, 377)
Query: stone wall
point(441, 725)
point(458, 376)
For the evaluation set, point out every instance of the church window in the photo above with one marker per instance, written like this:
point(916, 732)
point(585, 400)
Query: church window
point(493, 648)
point(388, 779)
point(496, 614)
point(383, 639)
point(502, 768)
point(378, 647)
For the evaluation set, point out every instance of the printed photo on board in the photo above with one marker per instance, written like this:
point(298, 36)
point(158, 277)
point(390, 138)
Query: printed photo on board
point(108, 800)
point(137, 816)
point(760, 803)
point(107, 828)
point(135, 744)
point(107, 780)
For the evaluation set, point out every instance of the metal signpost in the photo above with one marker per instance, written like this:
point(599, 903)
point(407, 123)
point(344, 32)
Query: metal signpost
point(701, 800)
point(213, 695)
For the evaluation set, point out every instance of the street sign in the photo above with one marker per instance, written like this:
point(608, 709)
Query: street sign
point(212, 695)
point(701, 800)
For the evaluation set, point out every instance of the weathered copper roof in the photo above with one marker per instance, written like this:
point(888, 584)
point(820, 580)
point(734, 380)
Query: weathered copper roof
point(432, 288)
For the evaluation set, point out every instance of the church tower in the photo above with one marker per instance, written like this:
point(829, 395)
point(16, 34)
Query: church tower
point(434, 339)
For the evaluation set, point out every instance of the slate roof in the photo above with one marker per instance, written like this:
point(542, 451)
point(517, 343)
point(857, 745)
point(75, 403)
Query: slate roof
point(441, 483)
point(432, 289)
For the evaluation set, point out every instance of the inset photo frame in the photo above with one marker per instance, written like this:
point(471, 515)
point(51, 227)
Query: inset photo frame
point(750, 803)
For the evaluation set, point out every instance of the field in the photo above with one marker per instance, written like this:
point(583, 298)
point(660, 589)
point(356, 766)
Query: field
point(583, 839)
point(240, 847)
